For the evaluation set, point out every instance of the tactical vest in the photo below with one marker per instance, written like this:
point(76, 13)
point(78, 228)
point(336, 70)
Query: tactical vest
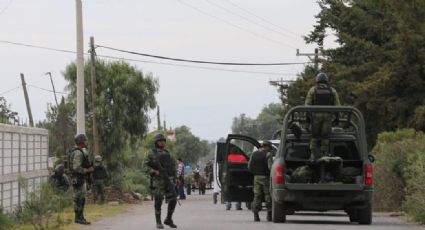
point(85, 163)
point(164, 159)
point(323, 96)
point(99, 173)
point(259, 164)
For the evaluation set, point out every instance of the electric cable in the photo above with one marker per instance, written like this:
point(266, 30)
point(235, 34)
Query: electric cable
point(10, 90)
point(6, 7)
point(37, 87)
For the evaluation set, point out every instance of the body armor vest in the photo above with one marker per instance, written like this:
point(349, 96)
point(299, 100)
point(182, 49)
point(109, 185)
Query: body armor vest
point(323, 95)
point(259, 164)
point(165, 161)
point(85, 164)
point(99, 173)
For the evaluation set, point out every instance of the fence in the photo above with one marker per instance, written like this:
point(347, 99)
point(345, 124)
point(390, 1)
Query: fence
point(23, 153)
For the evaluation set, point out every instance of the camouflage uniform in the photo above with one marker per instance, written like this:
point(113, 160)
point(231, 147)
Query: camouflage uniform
point(321, 124)
point(99, 177)
point(59, 180)
point(80, 162)
point(259, 164)
point(159, 190)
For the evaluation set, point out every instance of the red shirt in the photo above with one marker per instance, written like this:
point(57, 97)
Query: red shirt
point(236, 157)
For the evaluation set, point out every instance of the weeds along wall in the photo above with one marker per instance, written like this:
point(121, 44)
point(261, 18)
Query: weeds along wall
point(23, 154)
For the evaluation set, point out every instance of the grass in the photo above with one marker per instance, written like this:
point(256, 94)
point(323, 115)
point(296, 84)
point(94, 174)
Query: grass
point(92, 214)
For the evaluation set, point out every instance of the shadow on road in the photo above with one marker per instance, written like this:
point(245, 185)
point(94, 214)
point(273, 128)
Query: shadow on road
point(320, 214)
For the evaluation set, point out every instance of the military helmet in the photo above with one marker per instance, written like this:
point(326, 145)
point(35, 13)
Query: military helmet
point(266, 143)
point(159, 137)
point(98, 158)
point(322, 78)
point(80, 138)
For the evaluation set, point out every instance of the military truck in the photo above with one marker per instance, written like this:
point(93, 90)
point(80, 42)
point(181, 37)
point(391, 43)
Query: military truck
point(344, 182)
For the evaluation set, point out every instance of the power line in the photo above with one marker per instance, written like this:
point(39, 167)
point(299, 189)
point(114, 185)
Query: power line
point(6, 7)
point(262, 19)
point(10, 90)
point(152, 62)
point(251, 21)
point(236, 26)
point(202, 62)
point(48, 90)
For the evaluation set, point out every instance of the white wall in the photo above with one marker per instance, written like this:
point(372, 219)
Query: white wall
point(23, 153)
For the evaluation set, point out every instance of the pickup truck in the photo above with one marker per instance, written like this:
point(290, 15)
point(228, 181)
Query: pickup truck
point(325, 190)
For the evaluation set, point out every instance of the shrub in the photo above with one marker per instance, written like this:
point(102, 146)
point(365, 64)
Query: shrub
point(135, 180)
point(6, 220)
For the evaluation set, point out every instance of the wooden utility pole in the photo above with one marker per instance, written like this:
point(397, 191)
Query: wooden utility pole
point(27, 101)
point(158, 117)
point(315, 59)
point(54, 91)
point(93, 96)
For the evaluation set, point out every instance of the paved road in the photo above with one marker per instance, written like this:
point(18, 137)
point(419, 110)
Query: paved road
point(198, 212)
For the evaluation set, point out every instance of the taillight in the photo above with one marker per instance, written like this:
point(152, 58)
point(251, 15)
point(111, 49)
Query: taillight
point(368, 175)
point(279, 175)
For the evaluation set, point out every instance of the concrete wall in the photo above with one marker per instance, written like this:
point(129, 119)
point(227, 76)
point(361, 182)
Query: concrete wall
point(23, 153)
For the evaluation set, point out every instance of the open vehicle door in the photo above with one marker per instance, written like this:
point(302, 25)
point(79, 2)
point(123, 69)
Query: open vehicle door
point(235, 178)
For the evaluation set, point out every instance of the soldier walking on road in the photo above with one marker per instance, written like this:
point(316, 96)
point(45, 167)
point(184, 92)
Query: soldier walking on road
point(100, 175)
point(259, 164)
point(80, 166)
point(321, 123)
point(160, 185)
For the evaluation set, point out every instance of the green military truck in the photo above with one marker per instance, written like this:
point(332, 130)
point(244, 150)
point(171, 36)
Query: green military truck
point(341, 180)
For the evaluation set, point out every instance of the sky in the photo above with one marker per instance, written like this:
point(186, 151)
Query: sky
point(205, 100)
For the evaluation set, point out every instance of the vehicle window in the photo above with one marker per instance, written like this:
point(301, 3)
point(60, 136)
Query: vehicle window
point(240, 147)
point(297, 151)
point(346, 150)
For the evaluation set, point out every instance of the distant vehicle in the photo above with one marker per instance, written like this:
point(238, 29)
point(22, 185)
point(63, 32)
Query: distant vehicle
point(347, 145)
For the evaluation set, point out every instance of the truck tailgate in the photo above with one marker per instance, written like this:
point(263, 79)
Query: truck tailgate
point(324, 187)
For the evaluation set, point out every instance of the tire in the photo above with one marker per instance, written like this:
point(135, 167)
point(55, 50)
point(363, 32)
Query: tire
point(353, 215)
point(365, 215)
point(278, 212)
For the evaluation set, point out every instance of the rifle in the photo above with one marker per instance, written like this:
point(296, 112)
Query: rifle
point(163, 174)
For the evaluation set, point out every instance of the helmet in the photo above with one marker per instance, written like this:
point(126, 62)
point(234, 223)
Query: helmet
point(98, 158)
point(322, 78)
point(159, 137)
point(80, 138)
point(266, 143)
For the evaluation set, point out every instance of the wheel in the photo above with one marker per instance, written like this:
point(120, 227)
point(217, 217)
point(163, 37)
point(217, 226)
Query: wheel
point(365, 215)
point(353, 215)
point(278, 212)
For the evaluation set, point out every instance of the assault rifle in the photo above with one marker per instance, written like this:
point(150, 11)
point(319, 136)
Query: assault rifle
point(170, 189)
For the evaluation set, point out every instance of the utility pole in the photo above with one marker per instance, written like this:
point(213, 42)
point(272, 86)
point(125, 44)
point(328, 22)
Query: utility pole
point(158, 117)
point(309, 55)
point(165, 124)
point(54, 91)
point(81, 128)
point(93, 96)
point(27, 101)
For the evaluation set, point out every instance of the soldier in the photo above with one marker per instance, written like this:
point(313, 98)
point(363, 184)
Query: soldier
point(59, 180)
point(160, 185)
point(321, 124)
point(80, 166)
point(259, 164)
point(100, 175)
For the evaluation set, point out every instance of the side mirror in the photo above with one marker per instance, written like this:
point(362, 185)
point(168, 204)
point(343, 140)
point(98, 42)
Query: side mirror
point(371, 158)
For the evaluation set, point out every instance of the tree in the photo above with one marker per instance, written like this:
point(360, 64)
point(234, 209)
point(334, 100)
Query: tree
point(245, 126)
point(189, 147)
point(124, 96)
point(6, 114)
point(61, 125)
point(378, 65)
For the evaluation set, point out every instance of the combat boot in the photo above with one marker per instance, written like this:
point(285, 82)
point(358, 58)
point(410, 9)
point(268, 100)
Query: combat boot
point(169, 220)
point(269, 215)
point(79, 218)
point(256, 217)
point(158, 221)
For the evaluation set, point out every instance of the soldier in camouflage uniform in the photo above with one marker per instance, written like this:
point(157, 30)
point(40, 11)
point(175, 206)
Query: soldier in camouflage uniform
point(100, 175)
point(59, 180)
point(80, 166)
point(321, 123)
point(159, 185)
point(259, 164)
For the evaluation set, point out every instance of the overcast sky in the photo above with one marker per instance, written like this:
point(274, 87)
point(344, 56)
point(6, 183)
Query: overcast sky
point(217, 30)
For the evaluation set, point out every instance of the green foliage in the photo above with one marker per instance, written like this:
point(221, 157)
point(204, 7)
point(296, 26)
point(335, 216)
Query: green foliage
point(7, 116)
point(42, 206)
point(135, 180)
point(263, 127)
point(188, 146)
point(378, 65)
point(124, 96)
point(6, 220)
point(400, 172)
point(60, 123)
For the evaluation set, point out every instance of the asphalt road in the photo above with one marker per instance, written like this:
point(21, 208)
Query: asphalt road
point(198, 212)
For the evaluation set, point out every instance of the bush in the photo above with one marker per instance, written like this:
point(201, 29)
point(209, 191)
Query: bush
point(42, 205)
point(135, 180)
point(6, 220)
point(400, 173)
